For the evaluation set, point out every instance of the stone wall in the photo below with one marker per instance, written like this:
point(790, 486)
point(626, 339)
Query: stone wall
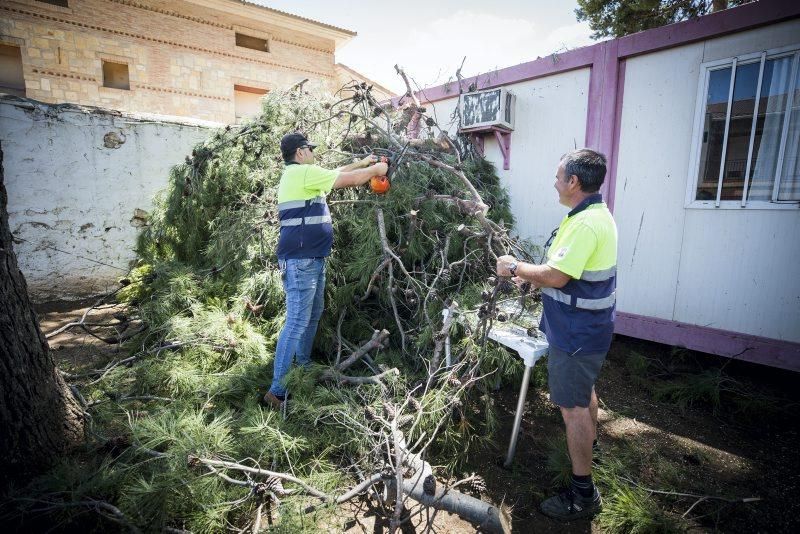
point(182, 56)
point(80, 182)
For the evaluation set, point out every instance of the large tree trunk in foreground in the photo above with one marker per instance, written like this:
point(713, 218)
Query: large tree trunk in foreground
point(39, 417)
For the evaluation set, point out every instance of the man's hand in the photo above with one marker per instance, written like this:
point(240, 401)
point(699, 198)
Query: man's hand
point(503, 263)
point(369, 160)
point(380, 169)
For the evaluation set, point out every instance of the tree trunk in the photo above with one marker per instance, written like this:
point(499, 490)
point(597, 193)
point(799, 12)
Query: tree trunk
point(39, 417)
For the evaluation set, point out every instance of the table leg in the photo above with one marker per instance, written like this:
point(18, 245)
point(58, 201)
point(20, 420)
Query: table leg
point(512, 446)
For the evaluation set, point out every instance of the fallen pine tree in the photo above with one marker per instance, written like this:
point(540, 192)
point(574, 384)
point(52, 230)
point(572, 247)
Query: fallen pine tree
point(184, 444)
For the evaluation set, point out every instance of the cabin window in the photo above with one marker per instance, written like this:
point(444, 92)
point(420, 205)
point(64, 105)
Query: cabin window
point(747, 149)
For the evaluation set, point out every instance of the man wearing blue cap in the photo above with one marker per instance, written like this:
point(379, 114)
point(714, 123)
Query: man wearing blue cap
point(306, 237)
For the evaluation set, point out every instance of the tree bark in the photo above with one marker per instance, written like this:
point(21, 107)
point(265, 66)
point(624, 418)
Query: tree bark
point(39, 416)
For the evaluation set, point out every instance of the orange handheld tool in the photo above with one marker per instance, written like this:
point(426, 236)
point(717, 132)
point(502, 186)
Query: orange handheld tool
point(380, 184)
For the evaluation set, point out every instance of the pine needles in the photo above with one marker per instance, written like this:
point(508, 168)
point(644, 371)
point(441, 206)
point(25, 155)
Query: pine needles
point(208, 287)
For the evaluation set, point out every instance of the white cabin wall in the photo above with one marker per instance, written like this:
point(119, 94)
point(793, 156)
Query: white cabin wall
point(733, 270)
point(773, 36)
point(550, 120)
point(739, 268)
point(739, 272)
point(655, 141)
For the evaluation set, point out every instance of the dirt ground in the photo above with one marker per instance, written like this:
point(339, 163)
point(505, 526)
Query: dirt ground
point(696, 451)
point(693, 451)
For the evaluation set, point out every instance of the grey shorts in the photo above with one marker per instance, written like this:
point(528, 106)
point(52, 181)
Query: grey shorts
point(571, 377)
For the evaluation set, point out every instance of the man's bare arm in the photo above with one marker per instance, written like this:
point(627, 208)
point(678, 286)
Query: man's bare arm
point(358, 177)
point(542, 275)
point(537, 275)
point(360, 164)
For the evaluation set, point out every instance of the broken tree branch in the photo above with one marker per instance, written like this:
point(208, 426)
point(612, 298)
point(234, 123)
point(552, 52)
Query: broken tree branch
point(376, 342)
point(335, 376)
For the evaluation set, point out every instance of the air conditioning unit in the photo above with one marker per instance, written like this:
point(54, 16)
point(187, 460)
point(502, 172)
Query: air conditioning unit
point(483, 109)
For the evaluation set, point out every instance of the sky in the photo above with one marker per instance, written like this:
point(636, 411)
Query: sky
point(429, 39)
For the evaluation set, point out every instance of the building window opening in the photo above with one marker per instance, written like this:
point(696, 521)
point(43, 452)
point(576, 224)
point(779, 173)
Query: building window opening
point(115, 75)
point(59, 3)
point(253, 43)
point(12, 80)
point(246, 102)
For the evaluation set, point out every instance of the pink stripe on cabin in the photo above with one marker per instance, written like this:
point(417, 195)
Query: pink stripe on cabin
point(774, 352)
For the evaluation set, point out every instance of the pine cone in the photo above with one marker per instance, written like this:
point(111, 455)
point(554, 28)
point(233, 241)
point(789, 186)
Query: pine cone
point(388, 411)
point(405, 420)
point(370, 414)
point(415, 404)
point(478, 484)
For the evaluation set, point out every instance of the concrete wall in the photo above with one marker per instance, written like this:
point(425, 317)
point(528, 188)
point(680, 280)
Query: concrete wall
point(182, 56)
point(75, 178)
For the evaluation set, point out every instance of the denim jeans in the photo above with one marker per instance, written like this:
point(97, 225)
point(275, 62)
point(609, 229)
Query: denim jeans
point(304, 285)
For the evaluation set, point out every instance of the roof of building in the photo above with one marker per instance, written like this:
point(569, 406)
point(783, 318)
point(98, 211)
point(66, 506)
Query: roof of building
point(298, 17)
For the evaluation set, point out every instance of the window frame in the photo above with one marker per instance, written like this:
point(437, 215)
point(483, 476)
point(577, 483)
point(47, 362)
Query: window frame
point(700, 107)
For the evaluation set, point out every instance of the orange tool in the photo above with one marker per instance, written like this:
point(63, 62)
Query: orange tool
point(380, 184)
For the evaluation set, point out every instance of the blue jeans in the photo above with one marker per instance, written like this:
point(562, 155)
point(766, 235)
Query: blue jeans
point(304, 285)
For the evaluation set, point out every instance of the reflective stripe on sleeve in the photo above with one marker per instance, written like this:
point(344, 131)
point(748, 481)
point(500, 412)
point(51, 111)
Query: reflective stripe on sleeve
point(599, 276)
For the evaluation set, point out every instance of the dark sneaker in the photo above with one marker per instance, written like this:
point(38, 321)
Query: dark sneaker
point(568, 506)
point(271, 401)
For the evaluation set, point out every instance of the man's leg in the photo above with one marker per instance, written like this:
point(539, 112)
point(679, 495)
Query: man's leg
point(299, 302)
point(593, 411)
point(580, 435)
point(307, 343)
point(571, 379)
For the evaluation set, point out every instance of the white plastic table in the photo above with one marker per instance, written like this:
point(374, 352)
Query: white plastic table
point(530, 349)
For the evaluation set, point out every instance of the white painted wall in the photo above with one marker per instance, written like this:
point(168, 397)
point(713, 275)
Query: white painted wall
point(550, 121)
point(655, 141)
point(734, 270)
point(67, 190)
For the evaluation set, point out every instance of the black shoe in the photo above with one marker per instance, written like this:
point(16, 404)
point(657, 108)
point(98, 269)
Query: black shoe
point(568, 505)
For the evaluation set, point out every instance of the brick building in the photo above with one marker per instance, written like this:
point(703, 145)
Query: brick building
point(208, 59)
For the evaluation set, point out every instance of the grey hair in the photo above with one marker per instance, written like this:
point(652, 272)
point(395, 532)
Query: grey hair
point(588, 165)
